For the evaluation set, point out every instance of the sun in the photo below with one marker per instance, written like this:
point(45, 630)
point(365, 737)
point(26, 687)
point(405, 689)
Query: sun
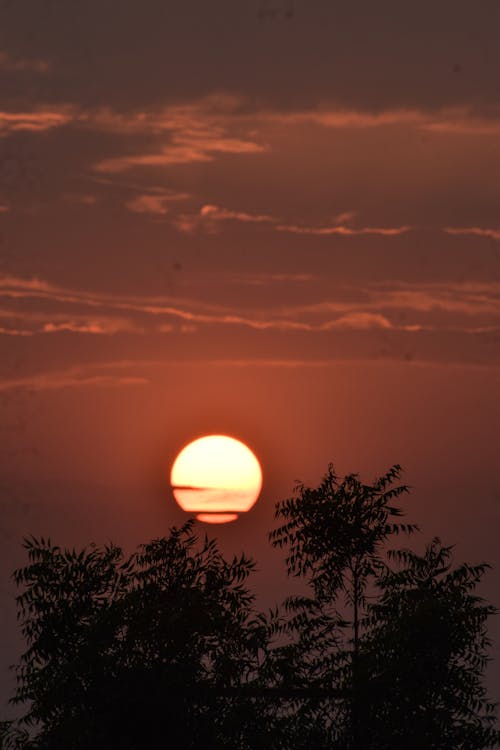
point(216, 477)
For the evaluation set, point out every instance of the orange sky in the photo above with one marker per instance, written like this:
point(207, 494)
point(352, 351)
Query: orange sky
point(285, 230)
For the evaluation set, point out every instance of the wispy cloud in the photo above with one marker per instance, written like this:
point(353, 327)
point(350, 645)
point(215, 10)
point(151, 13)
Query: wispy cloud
point(21, 64)
point(206, 129)
point(336, 117)
point(459, 121)
point(466, 298)
point(195, 132)
point(342, 230)
point(98, 327)
point(74, 377)
point(155, 204)
point(202, 129)
point(14, 332)
point(18, 288)
point(394, 306)
point(200, 115)
point(346, 217)
point(361, 321)
point(137, 373)
point(160, 308)
point(36, 121)
point(216, 213)
point(39, 323)
point(464, 123)
point(211, 127)
point(227, 123)
point(492, 234)
point(209, 216)
point(218, 114)
point(184, 149)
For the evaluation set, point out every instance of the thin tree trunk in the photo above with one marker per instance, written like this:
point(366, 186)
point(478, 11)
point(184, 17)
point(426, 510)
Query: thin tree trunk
point(355, 728)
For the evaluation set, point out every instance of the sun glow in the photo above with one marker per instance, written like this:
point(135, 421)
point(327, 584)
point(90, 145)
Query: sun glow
point(217, 477)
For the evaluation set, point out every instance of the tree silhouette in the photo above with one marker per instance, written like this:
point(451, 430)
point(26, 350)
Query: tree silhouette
point(334, 535)
point(163, 647)
point(405, 648)
point(13, 737)
point(423, 655)
point(126, 652)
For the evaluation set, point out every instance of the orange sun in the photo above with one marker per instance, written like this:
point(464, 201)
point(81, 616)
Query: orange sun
point(216, 477)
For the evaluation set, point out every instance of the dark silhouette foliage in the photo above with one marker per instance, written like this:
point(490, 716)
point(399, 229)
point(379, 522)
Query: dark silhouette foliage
point(334, 536)
point(401, 638)
point(164, 647)
point(127, 652)
point(423, 654)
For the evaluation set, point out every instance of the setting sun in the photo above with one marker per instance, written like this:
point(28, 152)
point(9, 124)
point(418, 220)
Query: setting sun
point(217, 477)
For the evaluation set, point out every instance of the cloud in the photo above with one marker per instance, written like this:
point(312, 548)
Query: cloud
point(458, 121)
point(334, 117)
point(18, 288)
point(155, 204)
point(176, 154)
point(217, 114)
point(201, 130)
point(209, 215)
point(133, 373)
point(39, 323)
point(14, 332)
point(493, 234)
point(195, 132)
point(464, 124)
point(346, 217)
point(361, 321)
point(186, 223)
point(17, 64)
point(391, 306)
point(216, 213)
point(98, 327)
point(218, 123)
point(74, 377)
point(36, 122)
point(466, 298)
point(182, 150)
point(188, 313)
point(200, 115)
point(342, 230)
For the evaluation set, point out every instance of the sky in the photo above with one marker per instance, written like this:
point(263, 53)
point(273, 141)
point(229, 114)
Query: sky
point(273, 219)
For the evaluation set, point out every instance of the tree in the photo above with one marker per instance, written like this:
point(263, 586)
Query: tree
point(12, 737)
point(334, 536)
point(401, 637)
point(126, 651)
point(423, 656)
point(386, 650)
